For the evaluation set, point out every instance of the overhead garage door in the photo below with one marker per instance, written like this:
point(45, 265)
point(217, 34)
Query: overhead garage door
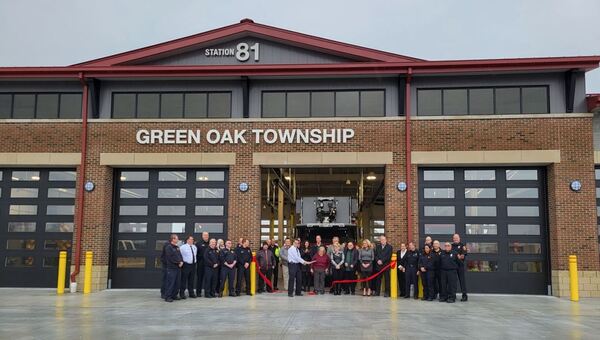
point(36, 222)
point(500, 214)
point(150, 205)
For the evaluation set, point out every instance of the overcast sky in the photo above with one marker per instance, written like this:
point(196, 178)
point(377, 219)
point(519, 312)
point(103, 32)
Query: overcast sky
point(63, 32)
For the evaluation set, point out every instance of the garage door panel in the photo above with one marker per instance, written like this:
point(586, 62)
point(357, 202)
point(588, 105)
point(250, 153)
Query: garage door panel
point(500, 214)
point(152, 204)
point(36, 222)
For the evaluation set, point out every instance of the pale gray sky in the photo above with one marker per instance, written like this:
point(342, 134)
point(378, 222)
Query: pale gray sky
point(63, 32)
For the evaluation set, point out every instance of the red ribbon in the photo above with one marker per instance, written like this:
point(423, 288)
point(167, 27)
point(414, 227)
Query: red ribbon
point(267, 281)
point(393, 263)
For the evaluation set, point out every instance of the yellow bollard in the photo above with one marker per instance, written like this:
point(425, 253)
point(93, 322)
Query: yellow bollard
point(62, 272)
point(87, 276)
point(574, 281)
point(420, 285)
point(226, 288)
point(394, 277)
point(253, 274)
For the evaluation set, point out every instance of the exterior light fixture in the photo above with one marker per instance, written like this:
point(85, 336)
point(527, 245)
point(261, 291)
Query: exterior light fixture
point(371, 176)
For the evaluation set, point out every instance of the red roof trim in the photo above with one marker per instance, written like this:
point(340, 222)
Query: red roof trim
point(425, 67)
point(245, 27)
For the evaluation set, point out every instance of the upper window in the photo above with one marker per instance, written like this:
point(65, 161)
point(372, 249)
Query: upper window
point(40, 105)
point(481, 101)
point(171, 105)
point(346, 103)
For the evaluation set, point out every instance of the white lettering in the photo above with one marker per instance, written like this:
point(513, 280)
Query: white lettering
point(169, 137)
point(213, 136)
point(257, 133)
point(142, 137)
point(315, 136)
point(270, 136)
point(287, 136)
point(239, 137)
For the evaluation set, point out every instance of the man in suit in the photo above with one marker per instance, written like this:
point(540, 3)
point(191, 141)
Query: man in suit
point(401, 254)
point(174, 263)
point(383, 255)
point(202, 247)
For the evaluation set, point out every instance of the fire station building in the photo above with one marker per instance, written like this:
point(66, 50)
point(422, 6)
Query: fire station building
point(230, 130)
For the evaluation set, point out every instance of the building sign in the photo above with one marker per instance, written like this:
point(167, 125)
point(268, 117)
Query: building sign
point(241, 52)
point(256, 136)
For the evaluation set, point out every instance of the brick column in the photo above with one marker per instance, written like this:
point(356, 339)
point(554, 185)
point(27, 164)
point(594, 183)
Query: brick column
point(244, 207)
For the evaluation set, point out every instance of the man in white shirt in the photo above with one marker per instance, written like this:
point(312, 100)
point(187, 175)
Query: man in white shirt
point(295, 263)
point(188, 271)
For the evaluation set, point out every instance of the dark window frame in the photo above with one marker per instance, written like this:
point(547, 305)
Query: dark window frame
point(335, 91)
point(35, 102)
point(160, 93)
point(493, 88)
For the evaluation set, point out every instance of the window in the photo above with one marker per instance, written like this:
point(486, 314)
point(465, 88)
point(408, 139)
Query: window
point(480, 211)
point(535, 99)
point(131, 262)
point(59, 227)
point(480, 192)
point(171, 193)
point(25, 176)
point(170, 210)
point(521, 193)
point(24, 193)
point(439, 211)
point(481, 101)
point(133, 193)
point(480, 175)
point(347, 104)
point(174, 227)
point(148, 105)
point(209, 227)
point(134, 176)
point(176, 176)
point(508, 100)
point(132, 245)
point(524, 248)
point(133, 227)
point(343, 103)
point(171, 105)
point(438, 175)
point(61, 192)
point(208, 176)
point(20, 244)
point(24, 106)
point(482, 266)
point(482, 247)
point(210, 193)
point(439, 229)
point(523, 211)
point(21, 227)
point(429, 102)
point(19, 261)
point(209, 210)
point(526, 266)
point(133, 210)
point(523, 229)
point(40, 105)
point(455, 102)
point(521, 175)
point(57, 244)
point(439, 193)
point(60, 210)
point(481, 229)
point(68, 176)
point(15, 209)
point(322, 104)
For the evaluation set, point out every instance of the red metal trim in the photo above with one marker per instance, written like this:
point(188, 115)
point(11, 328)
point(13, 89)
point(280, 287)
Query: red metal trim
point(244, 28)
point(81, 178)
point(593, 102)
point(358, 68)
point(408, 151)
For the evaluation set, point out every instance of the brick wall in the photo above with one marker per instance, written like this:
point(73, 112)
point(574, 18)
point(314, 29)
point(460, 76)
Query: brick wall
point(572, 216)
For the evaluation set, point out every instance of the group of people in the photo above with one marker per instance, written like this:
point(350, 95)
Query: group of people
point(211, 263)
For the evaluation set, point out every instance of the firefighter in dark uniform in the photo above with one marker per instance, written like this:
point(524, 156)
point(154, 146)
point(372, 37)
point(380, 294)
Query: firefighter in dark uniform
point(448, 265)
point(426, 271)
point(461, 250)
point(202, 246)
point(163, 261)
point(411, 262)
point(174, 263)
point(228, 260)
point(244, 258)
point(211, 268)
point(437, 253)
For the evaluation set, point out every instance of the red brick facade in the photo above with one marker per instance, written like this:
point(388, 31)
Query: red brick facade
point(572, 216)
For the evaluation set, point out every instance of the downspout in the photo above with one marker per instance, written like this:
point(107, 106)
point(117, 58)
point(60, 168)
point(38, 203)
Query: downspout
point(409, 230)
point(80, 182)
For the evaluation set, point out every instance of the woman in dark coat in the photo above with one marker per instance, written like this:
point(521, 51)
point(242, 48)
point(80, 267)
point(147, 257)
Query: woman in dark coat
point(350, 267)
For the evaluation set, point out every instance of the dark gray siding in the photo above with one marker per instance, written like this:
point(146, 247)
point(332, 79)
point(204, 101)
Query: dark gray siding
point(270, 53)
point(390, 85)
point(555, 81)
